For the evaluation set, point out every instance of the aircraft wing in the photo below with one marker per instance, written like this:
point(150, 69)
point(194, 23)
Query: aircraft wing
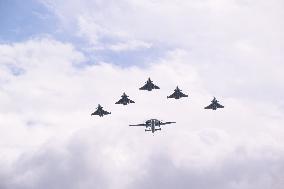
point(209, 107)
point(95, 113)
point(165, 123)
point(219, 105)
point(119, 102)
point(171, 96)
point(106, 112)
point(156, 87)
point(142, 124)
point(144, 87)
point(183, 95)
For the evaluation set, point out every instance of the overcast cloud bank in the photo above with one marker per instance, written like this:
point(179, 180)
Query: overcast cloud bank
point(49, 88)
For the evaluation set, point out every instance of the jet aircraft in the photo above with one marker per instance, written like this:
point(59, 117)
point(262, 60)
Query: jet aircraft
point(177, 94)
point(153, 125)
point(124, 100)
point(214, 105)
point(100, 112)
point(149, 85)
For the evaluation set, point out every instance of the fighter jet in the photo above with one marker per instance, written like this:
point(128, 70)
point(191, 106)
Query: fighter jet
point(149, 85)
point(124, 100)
point(152, 124)
point(100, 112)
point(177, 94)
point(214, 105)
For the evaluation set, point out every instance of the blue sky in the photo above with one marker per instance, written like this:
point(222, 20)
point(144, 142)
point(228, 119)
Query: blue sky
point(33, 19)
point(59, 60)
point(23, 20)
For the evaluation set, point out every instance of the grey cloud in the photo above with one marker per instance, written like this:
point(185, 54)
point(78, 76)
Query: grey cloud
point(233, 172)
point(54, 168)
point(54, 93)
point(81, 163)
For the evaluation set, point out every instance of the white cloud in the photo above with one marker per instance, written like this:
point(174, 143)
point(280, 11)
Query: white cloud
point(236, 45)
point(228, 49)
point(49, 140)
point(130, 45)
point(195, 24)
point(94, 32)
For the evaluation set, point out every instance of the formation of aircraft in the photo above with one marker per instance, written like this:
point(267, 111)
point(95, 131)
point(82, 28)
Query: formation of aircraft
point(100, 112)
point(214, 105)
point(154, 125)
point(177, 94)
point(124, 100)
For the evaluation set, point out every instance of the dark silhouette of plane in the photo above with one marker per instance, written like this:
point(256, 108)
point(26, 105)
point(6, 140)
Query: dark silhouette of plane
point(177, 94)
point(149, 85)
point(124, 100)
point(100, 112)
point(153, 125)
point(214, 105)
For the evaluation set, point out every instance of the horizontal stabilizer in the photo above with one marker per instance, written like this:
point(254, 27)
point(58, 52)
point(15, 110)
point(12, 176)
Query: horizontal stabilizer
point(138, 125)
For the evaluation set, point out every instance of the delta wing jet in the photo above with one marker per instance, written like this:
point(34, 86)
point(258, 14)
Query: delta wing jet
point(124, 100)
point(100, 112)
point(214, 105)
point(149, 85)
point(153, 125)
point(177, 94)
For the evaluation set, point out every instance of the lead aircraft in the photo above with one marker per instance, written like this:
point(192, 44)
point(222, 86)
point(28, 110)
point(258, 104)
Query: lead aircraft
point(124, 100)
point(149, 85)
point(177, 94)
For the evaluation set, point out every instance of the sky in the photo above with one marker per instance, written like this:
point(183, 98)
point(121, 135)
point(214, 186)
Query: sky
point(59, 60)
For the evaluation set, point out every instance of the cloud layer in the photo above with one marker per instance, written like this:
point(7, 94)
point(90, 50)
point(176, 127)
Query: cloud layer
point(236, 44)
point(49, 139)
point(228, 49)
